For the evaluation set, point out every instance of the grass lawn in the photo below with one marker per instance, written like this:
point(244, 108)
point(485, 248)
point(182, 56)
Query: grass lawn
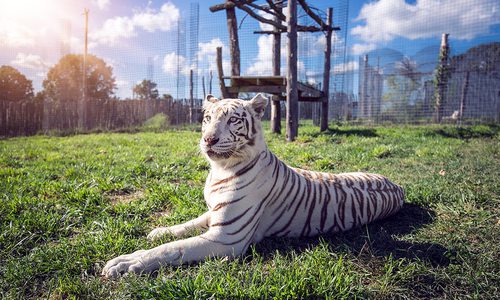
point(69, 204)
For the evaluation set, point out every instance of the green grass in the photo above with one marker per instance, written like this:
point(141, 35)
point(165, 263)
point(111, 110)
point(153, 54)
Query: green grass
point(69, 204)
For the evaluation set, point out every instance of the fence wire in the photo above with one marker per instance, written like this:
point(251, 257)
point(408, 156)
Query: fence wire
point(388, 83)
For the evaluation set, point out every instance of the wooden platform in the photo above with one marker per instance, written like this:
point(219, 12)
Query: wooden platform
point(272, 85)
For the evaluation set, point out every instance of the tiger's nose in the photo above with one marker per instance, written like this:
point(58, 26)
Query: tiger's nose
point(211, 140)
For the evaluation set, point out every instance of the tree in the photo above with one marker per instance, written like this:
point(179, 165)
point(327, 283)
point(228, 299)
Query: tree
point(442, 75)
point(167, 97)
point(400, 88)
point(65, 79)
point(14, 86)
point(146, 90)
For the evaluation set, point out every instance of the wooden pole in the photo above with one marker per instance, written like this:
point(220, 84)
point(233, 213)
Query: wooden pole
point(442, 77)
point(220, 72)
point(292, 107)
point(83, 105)
point(191, 97)
point(203, 85)
point(234, 48)
point(211, 76)
point(326, 72)
point(463, 97)
point(276, 105)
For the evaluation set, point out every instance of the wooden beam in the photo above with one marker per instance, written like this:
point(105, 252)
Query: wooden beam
point(326, 73)
point(269, 89)
point(292, 108)
point(221, 6)
point(307, 90)
point(252, 80)
point(220, 73)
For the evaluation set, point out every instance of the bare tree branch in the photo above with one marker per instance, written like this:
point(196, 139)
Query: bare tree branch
point(276, 9)
point(313, 16)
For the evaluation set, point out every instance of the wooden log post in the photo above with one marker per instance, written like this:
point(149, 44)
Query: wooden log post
point(220, 72)
point(442, 74)
point(211, 76)
point(191, 97)
point(326, 73)
point(276, 105)
point(234, 47)
point(463, 96)
point(203, 86)
point(292, 96)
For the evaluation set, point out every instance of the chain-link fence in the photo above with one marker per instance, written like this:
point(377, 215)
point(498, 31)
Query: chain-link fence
point(378, 74)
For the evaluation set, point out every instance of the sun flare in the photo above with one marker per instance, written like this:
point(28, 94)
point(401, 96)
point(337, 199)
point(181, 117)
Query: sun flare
point(25, 9)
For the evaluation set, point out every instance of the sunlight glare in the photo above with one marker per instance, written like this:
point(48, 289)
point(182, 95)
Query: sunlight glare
point(27, 10)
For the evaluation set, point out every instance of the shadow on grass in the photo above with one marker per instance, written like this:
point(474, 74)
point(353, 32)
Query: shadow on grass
point(364, 132)
point(465, 133)
point(378, 239)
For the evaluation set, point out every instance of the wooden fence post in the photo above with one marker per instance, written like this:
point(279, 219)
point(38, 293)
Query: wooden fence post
point(191, 99)
point(220, 72)
point(292, 108)
point(234, 47)
point(326, 73)
point(276, 105)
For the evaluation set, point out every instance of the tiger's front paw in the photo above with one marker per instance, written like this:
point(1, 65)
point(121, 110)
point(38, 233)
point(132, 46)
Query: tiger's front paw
point(156, 233)
point(129, 263)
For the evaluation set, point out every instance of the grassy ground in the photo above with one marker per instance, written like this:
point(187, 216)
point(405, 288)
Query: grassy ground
point(68, 204)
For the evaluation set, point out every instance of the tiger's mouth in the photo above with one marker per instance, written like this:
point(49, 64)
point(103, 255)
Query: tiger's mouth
point(219, 155)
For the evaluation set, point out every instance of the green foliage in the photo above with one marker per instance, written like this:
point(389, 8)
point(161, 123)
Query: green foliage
point(156, 123)
point(65, 80)
point(146, 90)
point(14, 86)
point(69, 204)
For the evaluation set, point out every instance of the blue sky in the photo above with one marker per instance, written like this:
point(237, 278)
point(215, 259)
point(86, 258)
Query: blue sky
point(129, 35)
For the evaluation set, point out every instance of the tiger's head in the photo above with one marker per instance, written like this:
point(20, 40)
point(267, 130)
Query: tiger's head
point(231, 129)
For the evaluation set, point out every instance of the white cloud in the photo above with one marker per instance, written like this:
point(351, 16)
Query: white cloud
point(114, 29)
point(30, 61)
point(358, 49)
point(15, 35)
point(463, 19)
point(262, 64)
point(102, 4)
point(349, 66)
point(164, 20)
point(209, 49)
point(207, 54)
point(122, 83)
point(149, 20)
point(172, 61)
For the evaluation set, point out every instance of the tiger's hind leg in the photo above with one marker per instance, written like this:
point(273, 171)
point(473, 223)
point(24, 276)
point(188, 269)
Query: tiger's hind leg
point(200, 223)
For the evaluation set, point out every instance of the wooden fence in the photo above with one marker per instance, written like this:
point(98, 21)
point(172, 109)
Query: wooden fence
point(32, 117)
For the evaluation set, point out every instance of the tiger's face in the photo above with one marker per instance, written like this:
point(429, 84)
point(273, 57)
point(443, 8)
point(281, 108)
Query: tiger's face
point(231, 129)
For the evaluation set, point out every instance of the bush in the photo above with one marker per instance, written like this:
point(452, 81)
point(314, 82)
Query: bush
point(158, 122)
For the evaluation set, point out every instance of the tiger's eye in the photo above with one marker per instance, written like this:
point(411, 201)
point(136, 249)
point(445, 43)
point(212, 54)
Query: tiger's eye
point(207, 119)
point(233, 120)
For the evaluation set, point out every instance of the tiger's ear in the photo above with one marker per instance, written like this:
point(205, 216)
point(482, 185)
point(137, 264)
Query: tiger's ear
point(258, 105)
point(209, 100)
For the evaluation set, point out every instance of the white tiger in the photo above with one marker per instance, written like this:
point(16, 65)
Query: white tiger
point(251, 194)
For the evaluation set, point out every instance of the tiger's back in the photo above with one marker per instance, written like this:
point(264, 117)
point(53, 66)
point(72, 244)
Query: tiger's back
point(329, 203)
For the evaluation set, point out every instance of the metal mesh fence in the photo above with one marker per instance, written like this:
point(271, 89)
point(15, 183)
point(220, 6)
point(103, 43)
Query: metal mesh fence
point(389, 80)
